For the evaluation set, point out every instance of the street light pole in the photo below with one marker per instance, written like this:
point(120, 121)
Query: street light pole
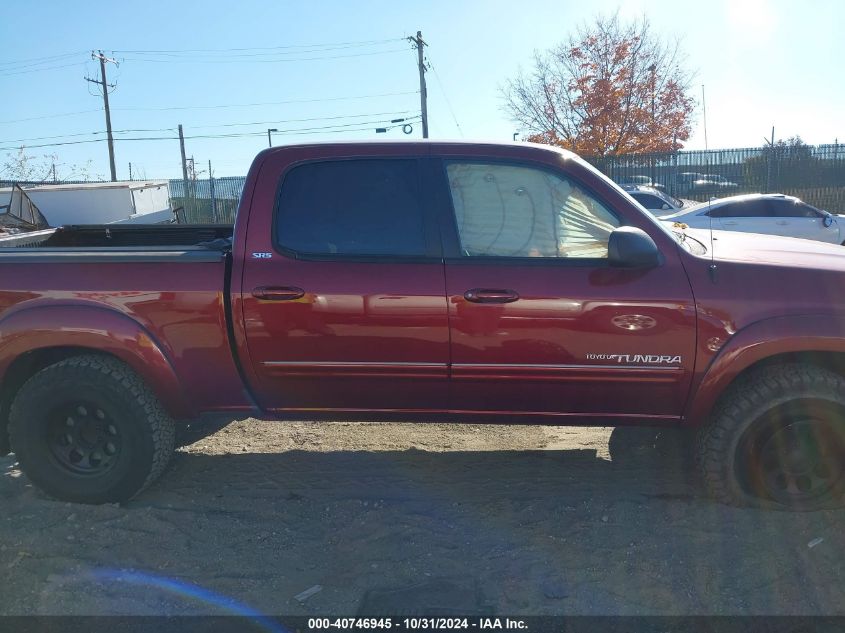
point(269, 137)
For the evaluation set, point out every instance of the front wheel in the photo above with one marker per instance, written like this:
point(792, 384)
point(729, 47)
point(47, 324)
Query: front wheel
point(777, 439)
point(89, 430)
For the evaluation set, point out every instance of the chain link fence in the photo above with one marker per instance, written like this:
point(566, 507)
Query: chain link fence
point(210, 200)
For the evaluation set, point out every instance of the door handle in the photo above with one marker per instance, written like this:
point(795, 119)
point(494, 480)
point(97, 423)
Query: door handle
point(488, 295)
point(782, 222)
point(728, 223)
point(277, 293)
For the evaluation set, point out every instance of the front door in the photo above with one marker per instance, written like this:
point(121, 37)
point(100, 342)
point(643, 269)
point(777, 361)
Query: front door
point(796, 219)
point(344, 304)
point(540, 323)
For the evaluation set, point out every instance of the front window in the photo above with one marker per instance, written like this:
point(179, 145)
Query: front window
point(515, 211)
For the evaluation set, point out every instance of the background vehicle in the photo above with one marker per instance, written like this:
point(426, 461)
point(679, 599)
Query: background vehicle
point(682, 183)
point(712, 183)
point(469, 282)
point(657, 202)
point(775, 214)
point(640, 181)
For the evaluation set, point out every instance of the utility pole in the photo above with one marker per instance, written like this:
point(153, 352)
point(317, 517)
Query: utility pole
point(704, 107)
point(182, 149)
point(420, 44)
point(105, 88)
point(211, 188)
point(270, 137)
point(130, 171)
point(770, 159)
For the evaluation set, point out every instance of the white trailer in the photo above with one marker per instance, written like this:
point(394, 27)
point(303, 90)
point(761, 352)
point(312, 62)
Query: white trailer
point(143, 202)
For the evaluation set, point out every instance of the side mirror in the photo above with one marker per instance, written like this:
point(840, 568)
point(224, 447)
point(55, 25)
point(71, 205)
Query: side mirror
point(666, 207)
point(630, 247)
point(828, 220)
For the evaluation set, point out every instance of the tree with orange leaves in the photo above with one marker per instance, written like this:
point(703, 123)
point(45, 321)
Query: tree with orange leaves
point(611, 88)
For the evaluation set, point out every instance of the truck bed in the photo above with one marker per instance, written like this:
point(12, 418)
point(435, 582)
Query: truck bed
point(124, 242)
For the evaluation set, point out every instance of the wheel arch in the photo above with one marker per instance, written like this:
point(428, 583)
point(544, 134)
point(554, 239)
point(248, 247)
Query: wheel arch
point(34, 338)
point(813, 340)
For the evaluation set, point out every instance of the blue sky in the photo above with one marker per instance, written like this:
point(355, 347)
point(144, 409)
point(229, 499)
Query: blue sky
point(763, 63)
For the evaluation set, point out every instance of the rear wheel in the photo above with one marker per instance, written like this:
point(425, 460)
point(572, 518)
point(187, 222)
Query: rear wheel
point(777, 439)
point(88, 429)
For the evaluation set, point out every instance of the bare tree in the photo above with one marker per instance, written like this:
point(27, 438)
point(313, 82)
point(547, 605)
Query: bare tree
point(24, 167)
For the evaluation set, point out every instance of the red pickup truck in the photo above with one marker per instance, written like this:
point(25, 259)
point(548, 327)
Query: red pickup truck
point(416, 281)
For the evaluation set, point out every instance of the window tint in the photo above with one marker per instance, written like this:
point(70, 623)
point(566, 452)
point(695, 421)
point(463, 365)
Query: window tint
point(511, 211)
point(648, 201)
point(745, 209)
point(352, 207)
point(789, 209)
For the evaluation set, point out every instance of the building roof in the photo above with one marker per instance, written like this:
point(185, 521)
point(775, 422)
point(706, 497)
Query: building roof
point(120, 184)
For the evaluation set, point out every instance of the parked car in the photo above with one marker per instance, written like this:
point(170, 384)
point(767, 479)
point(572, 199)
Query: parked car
point(682, 182)
point(775, 214)
point(712, 182)
point(694, 183)
point(658, 202)
point(424, 281)
point(640, 181)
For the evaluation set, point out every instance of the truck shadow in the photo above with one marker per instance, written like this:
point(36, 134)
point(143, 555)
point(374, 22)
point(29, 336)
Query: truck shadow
point(535, 531)
point(643, 464)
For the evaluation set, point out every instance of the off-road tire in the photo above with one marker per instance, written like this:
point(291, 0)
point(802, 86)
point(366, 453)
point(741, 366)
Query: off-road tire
point(769, 401)
point(120, 404)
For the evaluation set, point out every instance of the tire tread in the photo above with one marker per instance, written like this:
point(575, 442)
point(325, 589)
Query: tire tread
point(161, 426)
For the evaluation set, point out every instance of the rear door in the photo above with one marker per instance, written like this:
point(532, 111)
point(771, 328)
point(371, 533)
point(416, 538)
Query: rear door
point(540, 323)
point(748, 216)
point(343, 298)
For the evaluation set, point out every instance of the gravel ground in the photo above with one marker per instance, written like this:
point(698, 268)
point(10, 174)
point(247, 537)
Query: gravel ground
point(529, 520)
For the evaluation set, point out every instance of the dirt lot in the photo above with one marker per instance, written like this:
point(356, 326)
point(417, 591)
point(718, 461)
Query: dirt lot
point(520, 520)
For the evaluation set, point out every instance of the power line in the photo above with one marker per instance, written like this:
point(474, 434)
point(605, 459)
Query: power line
point(266, 53)
point(267, 48)
point(268, 103)
point(446, 98)
point(391, 115)
point(326, 118)
point(359, 126)
point(49, 116)
point(34, 66)
point(37, 70)
point(262, 61)
point(34, 60)
point(61, 136)
point(306, 130)
point(96, 140)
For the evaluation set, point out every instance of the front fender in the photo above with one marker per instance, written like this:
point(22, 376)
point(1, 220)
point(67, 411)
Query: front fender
point(759, 341)
point(98, 329)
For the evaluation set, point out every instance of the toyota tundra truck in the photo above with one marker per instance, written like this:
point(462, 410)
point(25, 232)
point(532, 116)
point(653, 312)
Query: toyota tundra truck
point(419, 281)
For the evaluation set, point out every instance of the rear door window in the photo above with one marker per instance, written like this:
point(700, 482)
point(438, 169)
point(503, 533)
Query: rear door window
point(360, 207)
point(744, 209)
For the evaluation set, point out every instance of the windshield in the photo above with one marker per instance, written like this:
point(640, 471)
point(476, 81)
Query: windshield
point(675, 202)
